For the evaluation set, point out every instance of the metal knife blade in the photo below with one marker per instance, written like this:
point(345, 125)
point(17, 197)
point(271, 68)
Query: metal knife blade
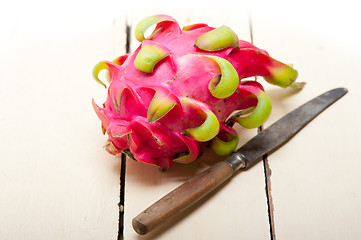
point(250, 153)
point(283, 130)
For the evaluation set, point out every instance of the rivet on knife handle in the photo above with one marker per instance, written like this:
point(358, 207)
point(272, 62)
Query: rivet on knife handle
point(250, 153)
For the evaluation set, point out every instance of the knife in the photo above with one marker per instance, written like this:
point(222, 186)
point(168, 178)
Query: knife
point(266, 142)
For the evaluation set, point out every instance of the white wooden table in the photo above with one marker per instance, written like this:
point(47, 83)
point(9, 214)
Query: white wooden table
point(57, 181)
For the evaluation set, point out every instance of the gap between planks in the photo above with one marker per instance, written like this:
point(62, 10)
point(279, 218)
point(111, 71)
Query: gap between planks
point(266, 167)
point(267, 173)
point(124, 157)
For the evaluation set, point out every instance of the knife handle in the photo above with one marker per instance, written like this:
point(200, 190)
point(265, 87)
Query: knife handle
point(182, 197)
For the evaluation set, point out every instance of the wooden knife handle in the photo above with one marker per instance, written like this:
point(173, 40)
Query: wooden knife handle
point(182, 197)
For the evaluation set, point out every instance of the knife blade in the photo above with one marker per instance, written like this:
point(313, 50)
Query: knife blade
point(265, 142)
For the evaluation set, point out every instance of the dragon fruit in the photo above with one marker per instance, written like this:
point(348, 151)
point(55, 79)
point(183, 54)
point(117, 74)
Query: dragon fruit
point(184, 87)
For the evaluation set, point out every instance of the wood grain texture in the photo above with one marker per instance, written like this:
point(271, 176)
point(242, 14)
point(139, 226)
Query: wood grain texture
point(243, 198)
point(315, 186)
point(56, 180)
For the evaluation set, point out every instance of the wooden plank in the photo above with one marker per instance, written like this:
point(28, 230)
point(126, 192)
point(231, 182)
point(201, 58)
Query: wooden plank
point(56, 180)
point(315, 177)
point(238, 209)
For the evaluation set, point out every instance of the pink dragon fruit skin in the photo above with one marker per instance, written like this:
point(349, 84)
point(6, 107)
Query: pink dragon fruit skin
point(184, 87)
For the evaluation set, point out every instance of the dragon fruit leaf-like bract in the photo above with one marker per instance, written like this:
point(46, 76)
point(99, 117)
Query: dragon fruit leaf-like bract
point(179, 88)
